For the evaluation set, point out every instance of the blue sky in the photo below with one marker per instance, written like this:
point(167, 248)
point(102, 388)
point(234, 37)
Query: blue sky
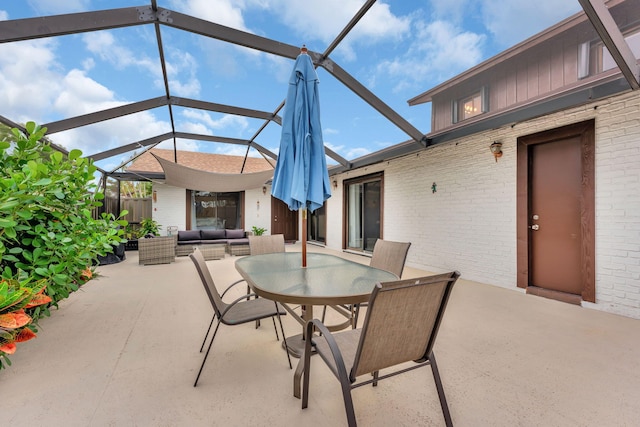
point(399, 50)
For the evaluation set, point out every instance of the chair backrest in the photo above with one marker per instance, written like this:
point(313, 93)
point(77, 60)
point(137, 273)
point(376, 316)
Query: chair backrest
point(259, 245)
point(402, 322)
point(390, 256)
point(207, 281)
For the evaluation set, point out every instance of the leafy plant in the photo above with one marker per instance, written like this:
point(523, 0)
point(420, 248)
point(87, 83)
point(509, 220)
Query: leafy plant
point(14, 321)
point(258, 231)
point(47, 231)
point(149, 226)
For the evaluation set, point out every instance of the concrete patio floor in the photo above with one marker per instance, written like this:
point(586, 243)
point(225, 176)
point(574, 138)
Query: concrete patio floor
point(123, 351)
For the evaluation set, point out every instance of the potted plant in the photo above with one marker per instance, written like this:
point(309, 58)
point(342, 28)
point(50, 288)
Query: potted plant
point(149, 227)
point(132, 238)
point(258, 231)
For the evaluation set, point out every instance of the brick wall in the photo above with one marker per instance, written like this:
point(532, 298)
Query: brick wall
point(469, 223)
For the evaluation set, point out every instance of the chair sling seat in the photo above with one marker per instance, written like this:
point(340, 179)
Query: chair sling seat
point(400, 326)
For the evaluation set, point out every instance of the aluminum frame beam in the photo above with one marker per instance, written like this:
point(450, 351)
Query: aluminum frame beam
point(130, 147)
point(72, 23)
point(613, 39)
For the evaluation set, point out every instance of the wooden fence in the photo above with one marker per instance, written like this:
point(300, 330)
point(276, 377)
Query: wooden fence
point(138, 208)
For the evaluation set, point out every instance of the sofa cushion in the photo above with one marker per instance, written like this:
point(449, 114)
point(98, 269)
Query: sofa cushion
point(188, 235)
point(234, 242)
point(212, 234)
point(189, 242)
point(235, 234)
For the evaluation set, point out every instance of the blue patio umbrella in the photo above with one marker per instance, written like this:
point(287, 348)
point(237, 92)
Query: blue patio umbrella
point(301, 179)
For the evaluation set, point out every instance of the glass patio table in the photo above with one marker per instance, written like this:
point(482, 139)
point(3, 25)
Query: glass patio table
point(327, 280)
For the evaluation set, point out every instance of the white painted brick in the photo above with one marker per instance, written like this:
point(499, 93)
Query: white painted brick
point(469, 223)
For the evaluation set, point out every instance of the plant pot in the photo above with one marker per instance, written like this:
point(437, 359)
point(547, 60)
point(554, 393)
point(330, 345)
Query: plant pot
point(131, 245)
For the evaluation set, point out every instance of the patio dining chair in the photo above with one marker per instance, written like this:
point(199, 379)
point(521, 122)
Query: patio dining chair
point(387, 255)
point(260, 245)
point(401, 325)
point(241, 310)
point(265, 244)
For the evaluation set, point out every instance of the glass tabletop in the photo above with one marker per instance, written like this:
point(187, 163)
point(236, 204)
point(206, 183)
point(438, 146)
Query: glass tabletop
point(327, 279)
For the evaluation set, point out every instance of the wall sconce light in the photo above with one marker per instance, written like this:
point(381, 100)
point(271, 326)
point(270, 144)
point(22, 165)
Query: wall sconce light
point(155, 196)
point(496, 149)
point(335, 184)
point(264, 189)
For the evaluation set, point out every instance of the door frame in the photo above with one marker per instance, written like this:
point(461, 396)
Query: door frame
point(586, 132)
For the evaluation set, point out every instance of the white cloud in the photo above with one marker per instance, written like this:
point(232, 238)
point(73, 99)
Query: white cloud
point(181, 66)
point(30, 78)
point(514, 21)
point(439, 51)
point(35, 87)
point(59, 6)
point(82, 95)
point(226, 122)
point(323, 20)
point(224, 12)
point(3, 15)
point(181, 63)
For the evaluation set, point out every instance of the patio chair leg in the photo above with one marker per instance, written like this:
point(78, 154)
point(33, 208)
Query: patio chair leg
point(356, 313)
point(207, 353)
point(207, 334)
point(348, 402)
point(275, 328)
point(443, 399)
point(284, 338)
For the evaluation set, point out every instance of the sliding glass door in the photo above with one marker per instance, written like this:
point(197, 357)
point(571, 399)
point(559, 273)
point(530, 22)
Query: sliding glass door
point(317, 226)
point(364, 212)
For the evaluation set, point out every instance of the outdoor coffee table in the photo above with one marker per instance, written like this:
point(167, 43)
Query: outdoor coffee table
point(327, 280)
point(212, 251)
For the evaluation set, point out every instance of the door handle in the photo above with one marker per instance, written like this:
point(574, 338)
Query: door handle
point(534, 227)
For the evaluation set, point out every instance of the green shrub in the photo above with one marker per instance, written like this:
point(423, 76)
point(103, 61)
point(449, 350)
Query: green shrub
point(47, 231)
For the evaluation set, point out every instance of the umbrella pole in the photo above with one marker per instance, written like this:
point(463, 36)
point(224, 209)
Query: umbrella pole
point(304, 237)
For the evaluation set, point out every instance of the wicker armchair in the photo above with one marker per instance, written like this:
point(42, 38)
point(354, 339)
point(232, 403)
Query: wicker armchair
point(157, 250)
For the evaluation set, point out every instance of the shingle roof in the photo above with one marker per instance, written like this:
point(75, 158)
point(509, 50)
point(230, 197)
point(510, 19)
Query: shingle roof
point(220, 163)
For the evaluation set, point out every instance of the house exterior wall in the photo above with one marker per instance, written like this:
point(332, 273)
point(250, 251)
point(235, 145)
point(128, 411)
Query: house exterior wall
point(257, 214)
point(545, 65)
point(469, 223)
point(170, 207)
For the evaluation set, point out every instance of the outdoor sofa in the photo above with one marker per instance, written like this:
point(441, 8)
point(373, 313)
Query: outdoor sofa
point(212, 243)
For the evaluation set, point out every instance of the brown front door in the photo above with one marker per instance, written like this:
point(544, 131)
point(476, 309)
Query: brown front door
point(283, 220)
point(556, 240)
point(556, 213)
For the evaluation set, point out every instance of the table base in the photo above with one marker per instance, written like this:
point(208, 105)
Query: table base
point(295, 346)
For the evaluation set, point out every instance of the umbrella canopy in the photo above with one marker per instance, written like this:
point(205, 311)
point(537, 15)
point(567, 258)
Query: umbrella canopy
point(301, 179)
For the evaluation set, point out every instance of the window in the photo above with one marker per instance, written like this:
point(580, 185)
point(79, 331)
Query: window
point(364, 212)
point(215, 210)
point(470, 106)
point(632, 40)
